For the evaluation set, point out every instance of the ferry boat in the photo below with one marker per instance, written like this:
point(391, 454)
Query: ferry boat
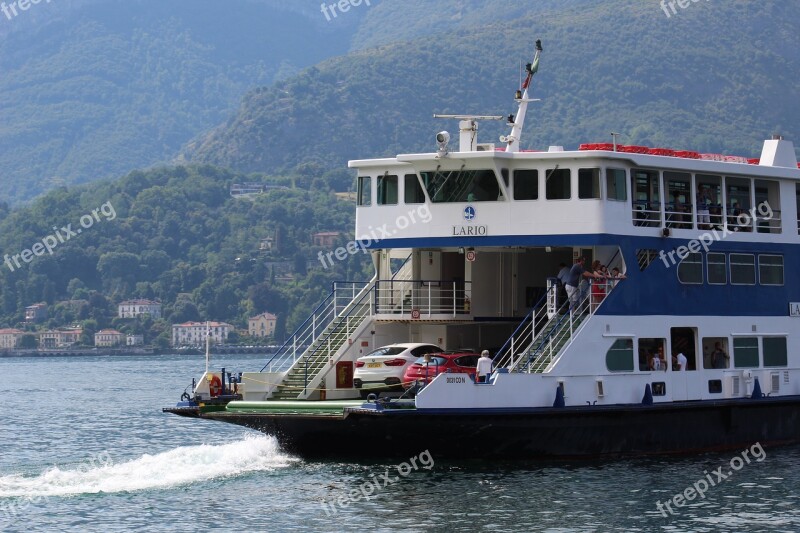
point(694, 347)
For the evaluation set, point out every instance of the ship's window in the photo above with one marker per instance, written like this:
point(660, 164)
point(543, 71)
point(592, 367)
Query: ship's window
point(715, 386)
point(646, 198)
point(413, 190)
point(678, 210)
point(743, 269)
point(589, 183)
point(364, 190)
point(775, 352)
point(619, 358)
point(717, 269)
point(558, 184)
point(526, 185)
point(745, 352)
point(768, 206)
point(462, 186)
point(715, 352)
point(737, 191)
point(651, 355)
point(387, 190)
point(690, 270)
point(770, 269)
point(616, 184)
point(659, 388)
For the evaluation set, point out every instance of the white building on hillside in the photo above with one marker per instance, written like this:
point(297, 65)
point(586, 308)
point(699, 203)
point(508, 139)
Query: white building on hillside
point(195, 333)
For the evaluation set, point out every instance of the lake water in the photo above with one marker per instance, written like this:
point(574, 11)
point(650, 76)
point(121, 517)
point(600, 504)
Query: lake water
point(85, 446)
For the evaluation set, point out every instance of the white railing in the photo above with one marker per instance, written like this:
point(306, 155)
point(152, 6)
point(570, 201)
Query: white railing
point(336, 304)
point(424, 298)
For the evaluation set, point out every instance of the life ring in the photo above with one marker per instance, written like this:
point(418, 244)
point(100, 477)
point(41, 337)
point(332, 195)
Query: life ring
point(215, 386)
point(185, 397)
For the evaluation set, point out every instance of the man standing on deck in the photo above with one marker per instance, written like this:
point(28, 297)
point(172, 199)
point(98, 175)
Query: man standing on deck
point(573, 281)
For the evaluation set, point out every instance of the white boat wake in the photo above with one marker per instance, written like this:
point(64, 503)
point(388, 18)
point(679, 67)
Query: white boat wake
point(181, 466)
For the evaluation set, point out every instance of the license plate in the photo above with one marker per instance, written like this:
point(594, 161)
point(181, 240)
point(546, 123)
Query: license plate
point(374, 365)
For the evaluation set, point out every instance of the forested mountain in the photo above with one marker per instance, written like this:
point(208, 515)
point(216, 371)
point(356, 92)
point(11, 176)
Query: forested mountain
point(175, 234)
point(717, 77)
point(95, 88)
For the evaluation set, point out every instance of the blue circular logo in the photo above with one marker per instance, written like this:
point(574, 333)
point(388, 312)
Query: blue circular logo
point(469, 213)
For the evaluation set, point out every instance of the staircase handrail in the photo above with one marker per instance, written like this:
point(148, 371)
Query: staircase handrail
point(329, 304)
point(500, 357)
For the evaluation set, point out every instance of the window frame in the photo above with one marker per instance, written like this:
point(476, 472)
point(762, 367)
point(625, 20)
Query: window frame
point(782, 267)
point(597, 174)
point(382, 189)
point(624, 184)
point(538, 191)
point(360, 191)
point(406, 179)
point(702, 272)
point(549, 174)
point(730, 272)
point(724, 264)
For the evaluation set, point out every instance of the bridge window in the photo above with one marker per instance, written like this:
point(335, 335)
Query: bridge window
point(413, 190)
point(651, 355)
point(364, 190)
point(616, 184)
point(775, 352)
point(768, 204)
point(745, 352)
point(558, 184)
point(646, 198)
point(589, 183)
point(387, 190)
point(770, 269)
point(707, 201)
point(678, 187)
point(619, 358)
point(743, 269)
point(526, 185)
point(738, 193)
point(462, 186)
point(717, 269)
point(690, 270)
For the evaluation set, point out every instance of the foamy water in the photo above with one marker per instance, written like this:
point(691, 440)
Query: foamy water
point(180, 466)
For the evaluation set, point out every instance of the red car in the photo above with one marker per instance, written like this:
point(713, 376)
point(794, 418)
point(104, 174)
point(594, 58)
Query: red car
point(456, 362)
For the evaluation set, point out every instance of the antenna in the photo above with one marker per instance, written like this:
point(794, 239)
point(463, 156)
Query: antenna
point(522, 98)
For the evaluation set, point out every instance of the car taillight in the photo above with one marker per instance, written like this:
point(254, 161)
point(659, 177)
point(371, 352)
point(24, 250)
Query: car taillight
point(359, 364)
point(395, 362)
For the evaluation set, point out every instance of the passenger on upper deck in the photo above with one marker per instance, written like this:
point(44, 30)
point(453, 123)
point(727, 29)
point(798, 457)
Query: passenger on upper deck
point(576, 274)
point(703, 204)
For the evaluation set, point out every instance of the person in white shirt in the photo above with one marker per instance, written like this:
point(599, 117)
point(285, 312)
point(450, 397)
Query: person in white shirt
point(484, 367)
point(680, 360)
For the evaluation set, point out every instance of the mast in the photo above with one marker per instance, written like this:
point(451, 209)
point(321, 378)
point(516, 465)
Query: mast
point(517, 123)
point(208, 345)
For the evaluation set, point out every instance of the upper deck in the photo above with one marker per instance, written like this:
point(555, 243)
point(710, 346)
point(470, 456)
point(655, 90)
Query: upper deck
point(473, 198)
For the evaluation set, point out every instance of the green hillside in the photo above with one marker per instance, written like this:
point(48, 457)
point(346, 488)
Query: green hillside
point(718, 77)
point(93, 89)
point(175, 234)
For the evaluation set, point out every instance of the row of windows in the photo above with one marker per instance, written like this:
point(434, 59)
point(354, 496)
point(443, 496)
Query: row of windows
point(748, 352)
point(715, 202)
point(734, 268)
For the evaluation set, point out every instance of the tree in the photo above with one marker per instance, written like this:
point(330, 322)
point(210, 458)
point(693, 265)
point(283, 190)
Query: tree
point(28, 342)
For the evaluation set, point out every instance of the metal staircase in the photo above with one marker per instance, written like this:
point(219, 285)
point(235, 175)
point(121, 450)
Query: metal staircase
point(545, 333)
point(317, 344)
